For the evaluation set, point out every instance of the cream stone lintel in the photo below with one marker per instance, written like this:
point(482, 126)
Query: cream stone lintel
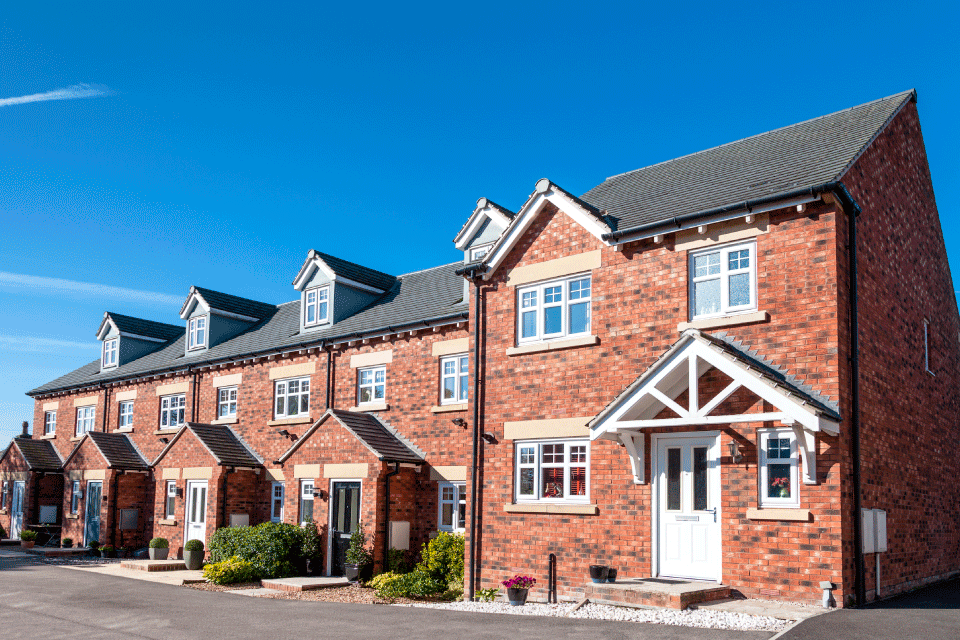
point(13, 476)
point(95, 474)
point(282, 421)
point(275, 474)
point(569, 509)
point(370, 407)
point(165, 432)
point(448, 347)
point(176, 387)
point(553, 345)
point(197, 473)
point(555, 428)
point(170, 473)
point(449, 474)
point(554, 268)
point(50, 436)
point(167, 523)
point(446, 408)
point(72, 516)
point(721, 232)
point(372, 358)
point(125, 395)
point(51, 406)
point(293, 370)
point(791, 515)
point(76, 438)
point(228, 381)
point(346, 470)
point(726, 321)
point(306, 471)
point(87, 401)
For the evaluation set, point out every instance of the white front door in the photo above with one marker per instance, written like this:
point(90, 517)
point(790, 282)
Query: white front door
point(196, 511)
point(16, 511)
point(687, 481)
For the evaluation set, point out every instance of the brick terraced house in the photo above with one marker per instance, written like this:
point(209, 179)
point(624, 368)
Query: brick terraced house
point(734, 372)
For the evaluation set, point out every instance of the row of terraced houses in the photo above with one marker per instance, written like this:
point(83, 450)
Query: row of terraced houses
point(736, 367)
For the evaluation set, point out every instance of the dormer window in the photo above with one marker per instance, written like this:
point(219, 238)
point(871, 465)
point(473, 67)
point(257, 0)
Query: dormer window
point(316, 306)
point(197, 333)
point(110, 353)
point(477, 253)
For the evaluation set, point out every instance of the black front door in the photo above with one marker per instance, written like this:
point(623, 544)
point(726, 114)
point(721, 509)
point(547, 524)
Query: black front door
point(346, 517)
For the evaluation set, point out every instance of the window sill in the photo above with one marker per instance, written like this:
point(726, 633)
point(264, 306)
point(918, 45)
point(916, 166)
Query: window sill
point(124, 430)
point(224, 421)
point(725, 321)
point(76, 438)
point(792, 515)
point(166, 432)
point(446, 408)
point(283, 421)
point(72, 516)
point(370, 407)
point(567, 343)
point(167, 523)
point(570, 509)
point(48, 436)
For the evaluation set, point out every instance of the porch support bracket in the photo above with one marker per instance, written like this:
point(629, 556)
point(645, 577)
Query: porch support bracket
point(634, 443)
point(807, 444)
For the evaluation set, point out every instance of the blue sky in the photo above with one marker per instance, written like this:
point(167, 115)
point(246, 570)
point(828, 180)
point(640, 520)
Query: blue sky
point(223, 142)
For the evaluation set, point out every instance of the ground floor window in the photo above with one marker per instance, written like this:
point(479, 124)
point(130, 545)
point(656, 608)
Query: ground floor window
point(453, 506)
point(276, 502)
point(75, 496)
point(170, 508)
point(779, 468)
point(3, 495)
point(306, 501)
point(552, 471)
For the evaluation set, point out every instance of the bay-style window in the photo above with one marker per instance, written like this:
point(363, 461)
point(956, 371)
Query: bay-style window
point(125, 413)
point(227, 402)
point(453, 506)
point(292, 398)
point(86, 416)
point(109, 358)
point(306, 501)
point(779, 468)
point(723, 280)
point(316, 306)
point(554, 309)
point(454, 380)
point(50, 423)
point(172, 411)
point(197, 333)
point(371, 385)
point(552, 471)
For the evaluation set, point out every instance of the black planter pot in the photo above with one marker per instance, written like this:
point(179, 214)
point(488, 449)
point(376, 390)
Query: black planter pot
point(611, 574)
point(598, 572)
point(351, 572)
point(517, 597)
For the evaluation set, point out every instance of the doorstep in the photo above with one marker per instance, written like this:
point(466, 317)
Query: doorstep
point(304, 583)
point(154, 565)
point(668, 593)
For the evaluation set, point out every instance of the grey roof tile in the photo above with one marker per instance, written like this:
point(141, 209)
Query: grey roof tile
point(383, 441)
point(40, 455)
point(225, 446)
point(236, 304)
point(119, 450)
point(357, 272)
point(148, 328)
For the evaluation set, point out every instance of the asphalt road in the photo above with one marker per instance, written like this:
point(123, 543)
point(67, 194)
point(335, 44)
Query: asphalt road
point(49, 602)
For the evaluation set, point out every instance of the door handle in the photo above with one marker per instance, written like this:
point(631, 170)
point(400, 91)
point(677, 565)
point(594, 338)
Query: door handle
point(712, 511)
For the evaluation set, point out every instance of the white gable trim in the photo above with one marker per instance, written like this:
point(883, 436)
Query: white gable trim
point(483, 210)
point(192, 300)
point(546, 192)
point(105, 325)
point(314, 263)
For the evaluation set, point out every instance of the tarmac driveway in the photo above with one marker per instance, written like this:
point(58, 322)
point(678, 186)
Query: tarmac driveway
point(931, 613)
point(49, 602)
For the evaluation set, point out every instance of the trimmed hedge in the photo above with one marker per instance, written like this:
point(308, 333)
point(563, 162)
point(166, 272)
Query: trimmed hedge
point(273, 549)
point(230, 571)
point(159, 543)
point(193, 545)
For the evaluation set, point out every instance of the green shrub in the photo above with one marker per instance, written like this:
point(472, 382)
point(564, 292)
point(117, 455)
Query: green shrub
point(443, 558)
point(107, 548)
point(311, 544)
point(357, 552)
point(66, 542)
point(230, 571)
point(486, 595)
point(381, 579)
point(193, 545)
point(158, 543)
point(411, 585)
point(28, 536)
point(397, 561)
point(273, 549)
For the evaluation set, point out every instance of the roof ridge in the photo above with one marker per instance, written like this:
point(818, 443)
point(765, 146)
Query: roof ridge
point(124, 315)
point(440, 266)
point(232, 295)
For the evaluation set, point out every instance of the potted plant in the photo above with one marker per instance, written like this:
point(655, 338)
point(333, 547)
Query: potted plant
point(94, 546)
point(123, 552)
point(159, 547)
point(27, 538)
point(517, 589)
point(108, 551)
point(598, 572)
point(358, 556)
point(611, 574)
point(311, 549)
point(193, 554)
point(66, 543)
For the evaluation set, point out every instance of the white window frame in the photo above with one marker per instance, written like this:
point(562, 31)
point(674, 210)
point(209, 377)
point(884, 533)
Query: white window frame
point(723, 276)
point(318, 301)
point(926, 346)
point(86, 419)
point(372, 385)
point(198, 329)
point(459, 497)
point(274, 499)
point(109, 356)
point(75, 497)
point(4, 492)
point(227, 407)
point(306, 495)
point(50, 423)
point(533, 296)
point(125, 415)
point(173, 411)
point(794, 461)
point(170, 500)
point(538, 466)
point(477, 253)
point(460, 372)
point(281, 389)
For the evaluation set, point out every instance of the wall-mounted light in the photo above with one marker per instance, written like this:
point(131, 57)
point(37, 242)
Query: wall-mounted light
point(287, 434)
point(460, 422)
point(179, 492)
point(320, 493)
point(735, 454)
point(165, 440)
point(489, 438)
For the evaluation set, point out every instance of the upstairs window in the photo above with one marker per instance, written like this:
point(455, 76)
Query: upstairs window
point(779, 468)
point(454, 379)
point(552, 471)
point(197, 333)
point(316, 306)
point(172, 411)
point(50, 423)
point(110, 352)
point(554, 309)
point(75, 496)
point(371, 385)
point(227, 402)
point(86, 416)
point(453, 506)
point(125, 411)
point(292, 398)
point(723, 280)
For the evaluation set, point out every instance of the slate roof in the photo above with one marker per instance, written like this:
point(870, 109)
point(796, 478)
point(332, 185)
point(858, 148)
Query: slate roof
point(118, 450)
point(383, 441)
point(235, 304)
point(222, 442)
point(421, 296)
point(800, 156)
point(40, 455)
point(148, 328)
point(356, 272)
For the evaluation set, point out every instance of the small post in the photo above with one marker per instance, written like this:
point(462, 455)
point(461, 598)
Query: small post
point(828, 601)
point(552, 579)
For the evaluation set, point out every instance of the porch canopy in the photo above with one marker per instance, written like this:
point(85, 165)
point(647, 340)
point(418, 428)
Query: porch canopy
point(669, 394)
